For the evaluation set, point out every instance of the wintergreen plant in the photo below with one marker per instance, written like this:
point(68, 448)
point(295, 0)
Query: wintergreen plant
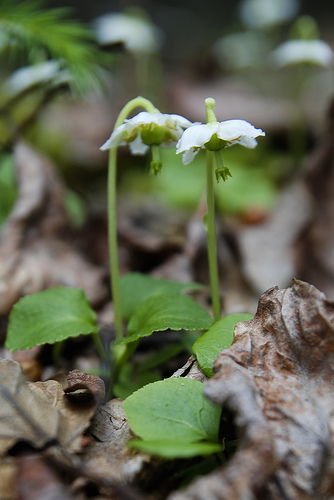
point(176, 420)
point(149, 129)
point(303, 56)
point(214, 137)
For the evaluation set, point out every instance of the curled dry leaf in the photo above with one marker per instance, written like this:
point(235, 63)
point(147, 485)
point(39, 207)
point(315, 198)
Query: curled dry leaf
point(108, 456)
point(278, 378)
point(38, 413)
point(92, 384)
point(34, 253)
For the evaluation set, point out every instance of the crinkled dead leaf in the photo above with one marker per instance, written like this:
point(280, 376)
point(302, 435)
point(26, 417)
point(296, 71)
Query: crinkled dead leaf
point(108, 456)
point(278, 379)
point(34, 253)
point(41, 413)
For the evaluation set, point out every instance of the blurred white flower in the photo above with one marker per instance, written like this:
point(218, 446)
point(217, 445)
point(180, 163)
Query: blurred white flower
point(148, 129)
point(30, 76)
point(267, 13)
point(303, 51)
point(136, 32)
point(216, 136)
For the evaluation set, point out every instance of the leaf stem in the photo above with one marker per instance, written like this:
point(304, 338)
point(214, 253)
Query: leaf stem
point(112, 212)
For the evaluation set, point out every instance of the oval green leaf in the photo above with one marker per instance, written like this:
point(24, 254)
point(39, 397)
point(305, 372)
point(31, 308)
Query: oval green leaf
point(166, 311)
point(217, 338)
point(137, 287)
point(170, 411)
point(48, 317)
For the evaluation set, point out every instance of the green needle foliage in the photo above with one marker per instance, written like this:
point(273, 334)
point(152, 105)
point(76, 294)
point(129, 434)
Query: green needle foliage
point(32, 34)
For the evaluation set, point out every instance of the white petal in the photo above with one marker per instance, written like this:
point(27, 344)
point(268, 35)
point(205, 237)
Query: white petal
point(116, 137)
point(189, 155)
point(143, 118)
point(181, 121)
point(303, 51)
point(237, 130)
point(196, 136)
point(248, 142)
point(137, 147)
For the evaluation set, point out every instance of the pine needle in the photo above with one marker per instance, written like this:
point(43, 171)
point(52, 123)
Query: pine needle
point(30, 34)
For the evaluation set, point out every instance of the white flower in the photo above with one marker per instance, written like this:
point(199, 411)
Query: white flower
point(303, 51)
point(216, 136)
point(267, 13)
point(138, 34)
point(148, 129)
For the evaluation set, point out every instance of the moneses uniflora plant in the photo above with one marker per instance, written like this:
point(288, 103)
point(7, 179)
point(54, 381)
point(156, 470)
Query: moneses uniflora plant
point(152, 129)
point(148, 304)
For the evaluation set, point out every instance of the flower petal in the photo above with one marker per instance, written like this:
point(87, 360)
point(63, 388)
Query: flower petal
point(116, 137)
point(189, 155)
point(137, 147)
point(196, 136)
point(238, 131)
point(303, 51)
point(181, 121)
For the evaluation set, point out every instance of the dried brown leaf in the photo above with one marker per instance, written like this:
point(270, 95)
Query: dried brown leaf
point(37, 481)
point(109, 457)
point(278, 378)
point(39, 413)
point(34, 253)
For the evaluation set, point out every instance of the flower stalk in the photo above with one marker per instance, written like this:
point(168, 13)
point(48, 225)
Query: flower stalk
point(112, 213)
point(211, 226)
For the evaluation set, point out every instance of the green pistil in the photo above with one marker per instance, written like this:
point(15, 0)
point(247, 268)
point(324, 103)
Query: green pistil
point(155, 163)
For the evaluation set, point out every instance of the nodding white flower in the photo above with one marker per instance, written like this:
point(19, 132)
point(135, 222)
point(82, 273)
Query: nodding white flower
point(148, 129)
point(135, 31)
point(303, 51)
point(216, 136)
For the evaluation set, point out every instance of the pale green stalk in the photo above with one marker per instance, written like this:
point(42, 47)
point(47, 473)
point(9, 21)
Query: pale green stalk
point(112, 212)
point(211, 226)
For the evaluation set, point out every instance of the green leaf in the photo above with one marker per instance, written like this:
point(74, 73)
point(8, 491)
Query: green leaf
point(137, 287)
point(166, 311)
point(171, 414)
point(218, 337)
point(48, 317)
point(174, 448)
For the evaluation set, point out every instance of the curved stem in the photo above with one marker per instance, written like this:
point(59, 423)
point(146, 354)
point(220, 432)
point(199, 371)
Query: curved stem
point(212, 243)
point(112, 212)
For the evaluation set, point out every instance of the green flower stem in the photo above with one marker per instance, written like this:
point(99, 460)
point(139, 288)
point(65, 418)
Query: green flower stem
point(212, 243)
point(112, 212)
point(211, 226)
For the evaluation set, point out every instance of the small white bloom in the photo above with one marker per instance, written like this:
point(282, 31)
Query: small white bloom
point(148, 129)
point(137, 33)
point(303, 51)
point(267, 13)
point(216, 136)
point(30, 76)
